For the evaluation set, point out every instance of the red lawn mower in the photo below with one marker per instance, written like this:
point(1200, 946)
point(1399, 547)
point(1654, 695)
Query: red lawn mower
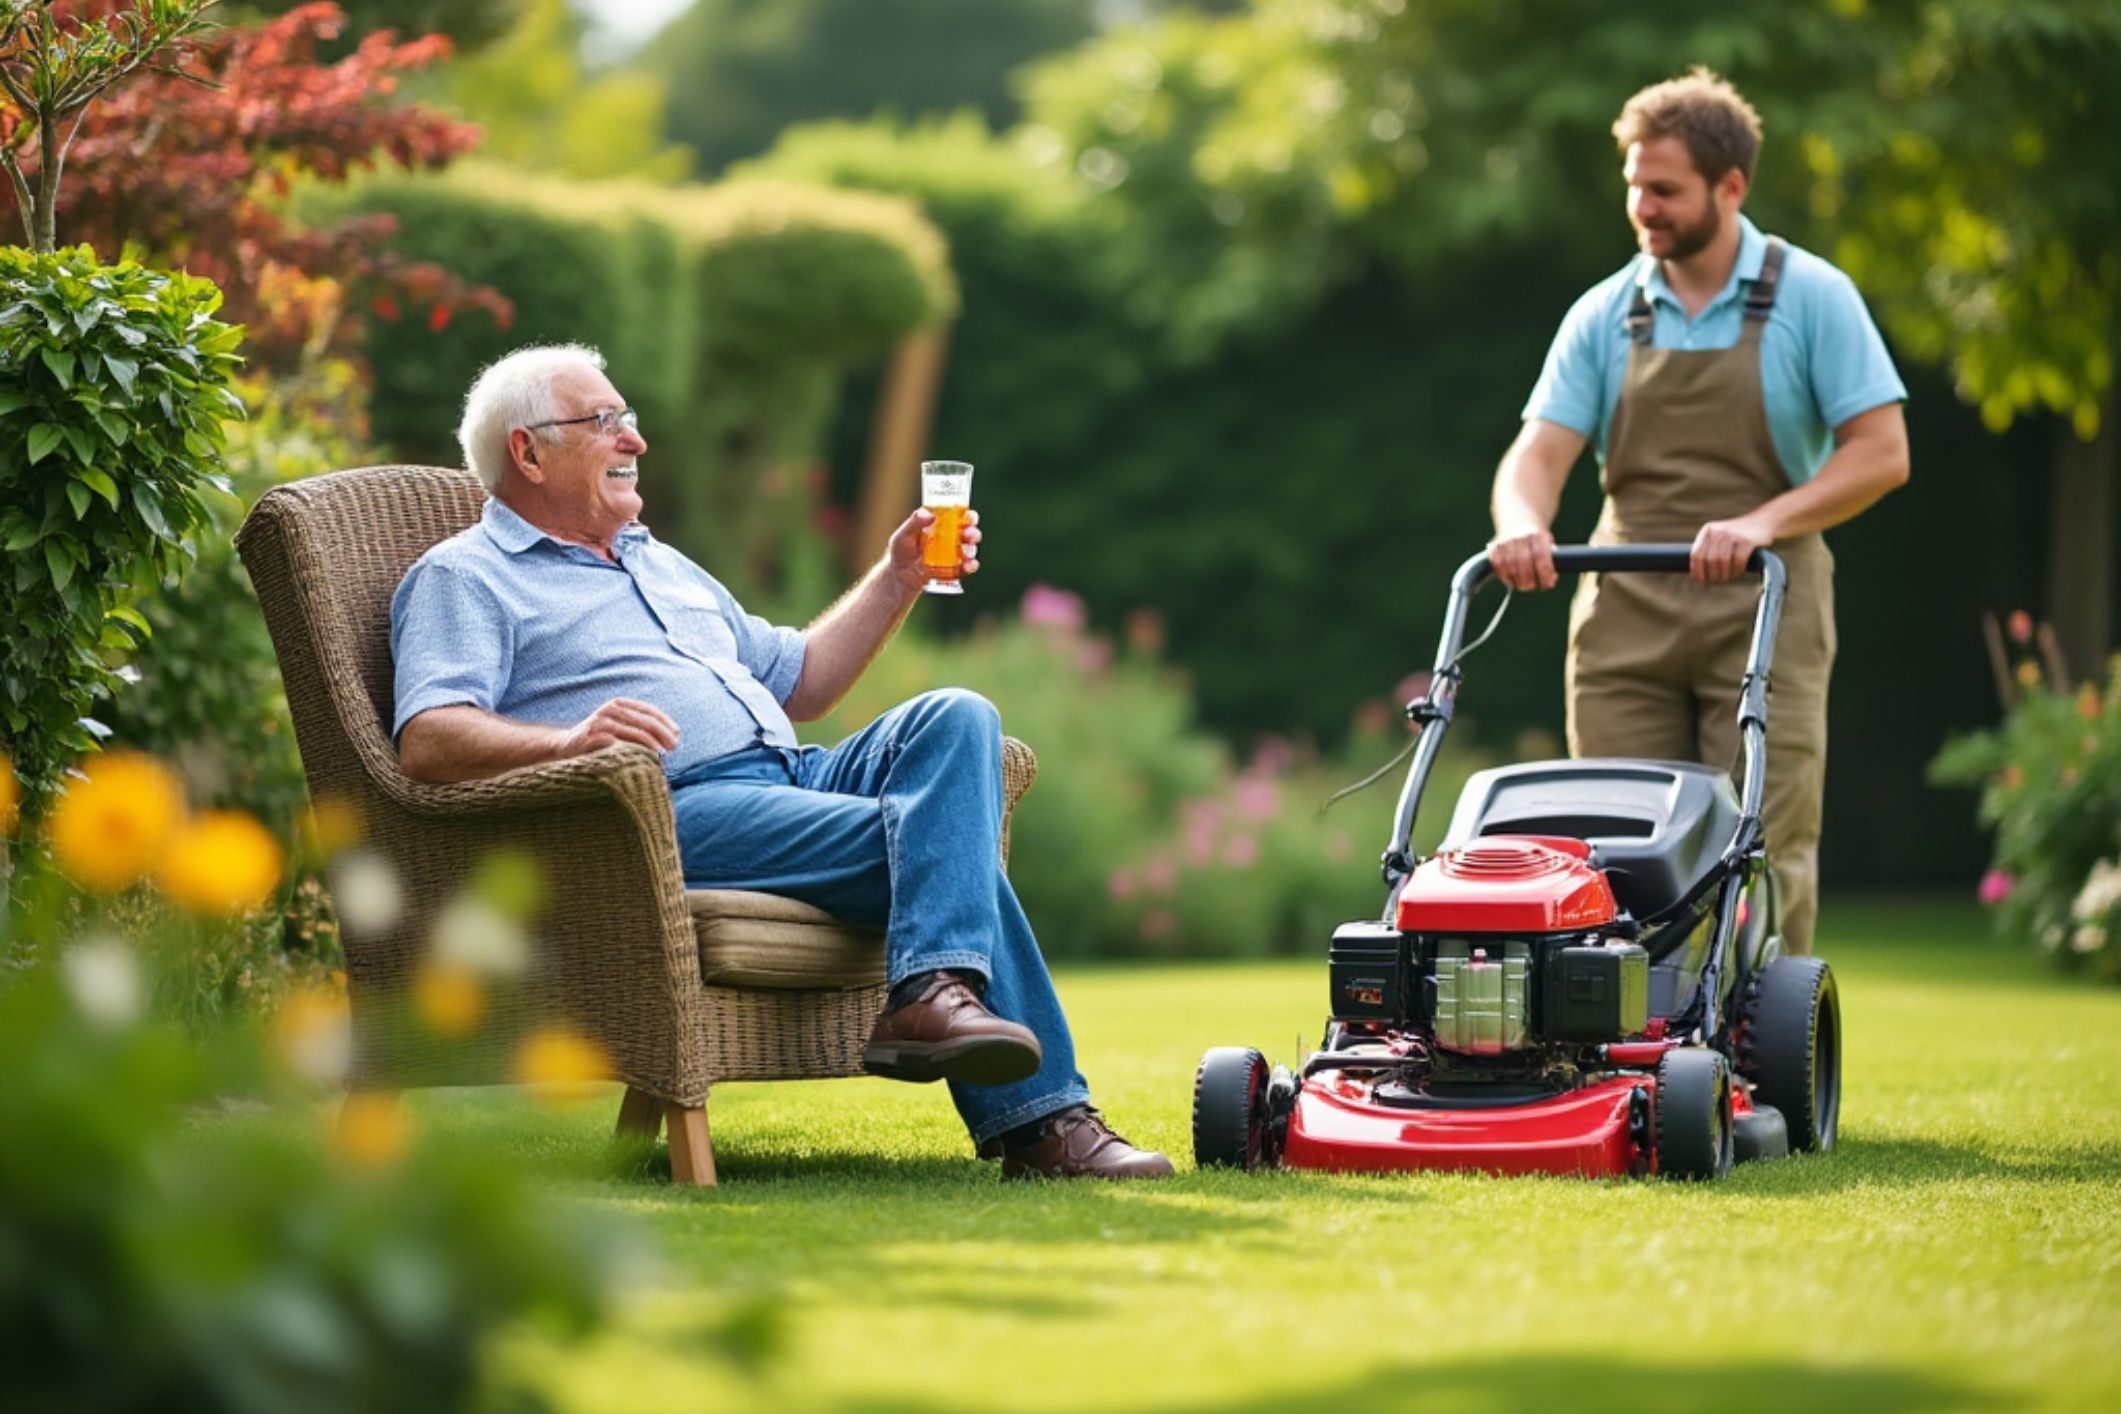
point(1585, 978)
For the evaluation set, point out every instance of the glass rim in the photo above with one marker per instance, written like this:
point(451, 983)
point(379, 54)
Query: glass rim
point(946, 468)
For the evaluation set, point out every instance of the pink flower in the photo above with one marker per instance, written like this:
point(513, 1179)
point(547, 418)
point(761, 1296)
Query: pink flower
point(1995, 887)
point(1161, 873)
point(2021, 626)
point(1242, 852)
point(1122, 884)
point(1272, 755)
point(1411, 686)
point(1201, 822)
point(1093, 657)
point(1053, 608)
point(1256, 796)
point(1157, 923)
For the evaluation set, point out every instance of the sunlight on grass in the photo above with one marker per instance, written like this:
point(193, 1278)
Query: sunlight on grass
point(1958, 1252)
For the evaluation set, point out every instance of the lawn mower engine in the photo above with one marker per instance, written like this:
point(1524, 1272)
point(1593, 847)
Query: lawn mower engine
point(1505, 1002)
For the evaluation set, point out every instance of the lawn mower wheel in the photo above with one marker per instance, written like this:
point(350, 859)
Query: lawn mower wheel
point(1230, 1109)
point(1789, 1046)
point(1693, 1114)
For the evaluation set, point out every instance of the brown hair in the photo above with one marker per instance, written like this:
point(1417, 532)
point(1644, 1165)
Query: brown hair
point(1720, 129)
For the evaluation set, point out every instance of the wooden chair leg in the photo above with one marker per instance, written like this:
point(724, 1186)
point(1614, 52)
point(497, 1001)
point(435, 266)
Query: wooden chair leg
point(691, 1156)
point(640, 1116)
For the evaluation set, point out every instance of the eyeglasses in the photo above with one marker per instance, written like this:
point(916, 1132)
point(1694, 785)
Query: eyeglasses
point(608, 422)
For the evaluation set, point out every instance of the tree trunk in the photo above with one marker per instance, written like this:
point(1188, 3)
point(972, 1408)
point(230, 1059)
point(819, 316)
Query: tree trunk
point(2080, 569)
point(898, 439)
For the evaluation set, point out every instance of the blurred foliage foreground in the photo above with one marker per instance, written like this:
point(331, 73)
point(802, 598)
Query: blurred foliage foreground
point(173, 1231)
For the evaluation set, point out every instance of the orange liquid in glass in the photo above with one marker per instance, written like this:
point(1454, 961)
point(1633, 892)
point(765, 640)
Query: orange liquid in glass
point(941, 552)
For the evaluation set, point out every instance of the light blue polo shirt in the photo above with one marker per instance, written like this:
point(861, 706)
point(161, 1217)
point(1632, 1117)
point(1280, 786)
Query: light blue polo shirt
point(505, 618)
point(1821, 358)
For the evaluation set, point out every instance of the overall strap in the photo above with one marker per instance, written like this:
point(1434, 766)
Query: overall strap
point(1760, 299)
point(1642, 320)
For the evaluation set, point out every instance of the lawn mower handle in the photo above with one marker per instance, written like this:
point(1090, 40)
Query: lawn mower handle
point(1652, 559)
point(1434, 710)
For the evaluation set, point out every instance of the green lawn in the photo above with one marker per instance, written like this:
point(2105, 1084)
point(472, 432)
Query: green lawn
point(1962, 1250)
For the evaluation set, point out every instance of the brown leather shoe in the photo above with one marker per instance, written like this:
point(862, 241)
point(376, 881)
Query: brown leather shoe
point(946, 1034)
point(1079, 1144)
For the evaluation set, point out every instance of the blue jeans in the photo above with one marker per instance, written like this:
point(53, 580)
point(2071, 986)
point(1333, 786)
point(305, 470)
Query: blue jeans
point(896, 828)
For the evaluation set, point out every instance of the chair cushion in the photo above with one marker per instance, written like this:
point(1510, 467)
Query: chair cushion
point(763, 940)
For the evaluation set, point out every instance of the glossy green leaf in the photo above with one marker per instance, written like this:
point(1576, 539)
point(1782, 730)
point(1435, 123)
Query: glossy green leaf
point(59, 563)
point(42, 438)
point(101, 483)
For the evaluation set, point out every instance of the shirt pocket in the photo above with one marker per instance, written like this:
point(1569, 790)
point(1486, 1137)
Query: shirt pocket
point(699, 631)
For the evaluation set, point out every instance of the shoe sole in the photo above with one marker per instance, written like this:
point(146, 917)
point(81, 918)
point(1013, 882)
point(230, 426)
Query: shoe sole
point(976, 1060)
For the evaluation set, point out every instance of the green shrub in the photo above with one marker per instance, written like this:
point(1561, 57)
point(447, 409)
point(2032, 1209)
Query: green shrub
point(2050, 779)
point(114, 393)
point(205, 689)
point(579, 270)
point(1142, 837)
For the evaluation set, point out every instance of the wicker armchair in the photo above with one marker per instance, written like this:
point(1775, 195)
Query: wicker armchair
point(683, 988)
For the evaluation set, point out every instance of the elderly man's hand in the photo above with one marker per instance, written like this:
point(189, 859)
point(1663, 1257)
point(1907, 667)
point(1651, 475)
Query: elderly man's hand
point(1723, 546)
point(622, 719)
point(1524, 561)
point(903, 554)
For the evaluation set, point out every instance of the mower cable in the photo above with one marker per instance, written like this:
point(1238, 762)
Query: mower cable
point(1420, 712)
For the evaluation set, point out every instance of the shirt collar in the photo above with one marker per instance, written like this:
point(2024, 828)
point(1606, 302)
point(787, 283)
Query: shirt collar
point(1752, 254)
point(514, 534)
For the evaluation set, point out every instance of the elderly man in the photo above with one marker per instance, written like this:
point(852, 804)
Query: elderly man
point(558, 625)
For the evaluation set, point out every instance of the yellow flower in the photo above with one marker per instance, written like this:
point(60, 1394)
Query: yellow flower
point(331, 825)
point(222, 862)
point(10, 795)
point(560, 1064)
point(372, 1132)
point(2028, 674)
point(450, 1000)
point(109, 827)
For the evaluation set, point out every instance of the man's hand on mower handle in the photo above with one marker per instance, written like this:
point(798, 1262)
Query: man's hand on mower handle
point(1722, 547)
point(1524, 561)
point(622, 719)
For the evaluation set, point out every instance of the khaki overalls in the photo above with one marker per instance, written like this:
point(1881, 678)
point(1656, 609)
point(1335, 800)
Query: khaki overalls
point(1656, 660)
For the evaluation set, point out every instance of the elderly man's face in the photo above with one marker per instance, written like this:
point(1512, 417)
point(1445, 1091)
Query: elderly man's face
point(588, 474)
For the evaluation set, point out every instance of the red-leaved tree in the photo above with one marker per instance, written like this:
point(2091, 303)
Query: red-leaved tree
point(199, 174)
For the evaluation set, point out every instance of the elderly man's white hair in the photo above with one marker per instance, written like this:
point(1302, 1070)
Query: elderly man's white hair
point(513, 392)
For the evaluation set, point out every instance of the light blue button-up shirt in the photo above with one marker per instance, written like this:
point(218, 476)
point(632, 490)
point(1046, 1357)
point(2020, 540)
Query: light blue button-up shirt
point(1821, 358)
point(505, 618)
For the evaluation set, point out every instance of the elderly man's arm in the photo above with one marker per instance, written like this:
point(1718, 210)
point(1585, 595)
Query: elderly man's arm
point(845, 639)
point(444, 745)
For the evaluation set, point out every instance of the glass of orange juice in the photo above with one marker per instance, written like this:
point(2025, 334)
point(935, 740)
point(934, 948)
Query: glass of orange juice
point(946, 491)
